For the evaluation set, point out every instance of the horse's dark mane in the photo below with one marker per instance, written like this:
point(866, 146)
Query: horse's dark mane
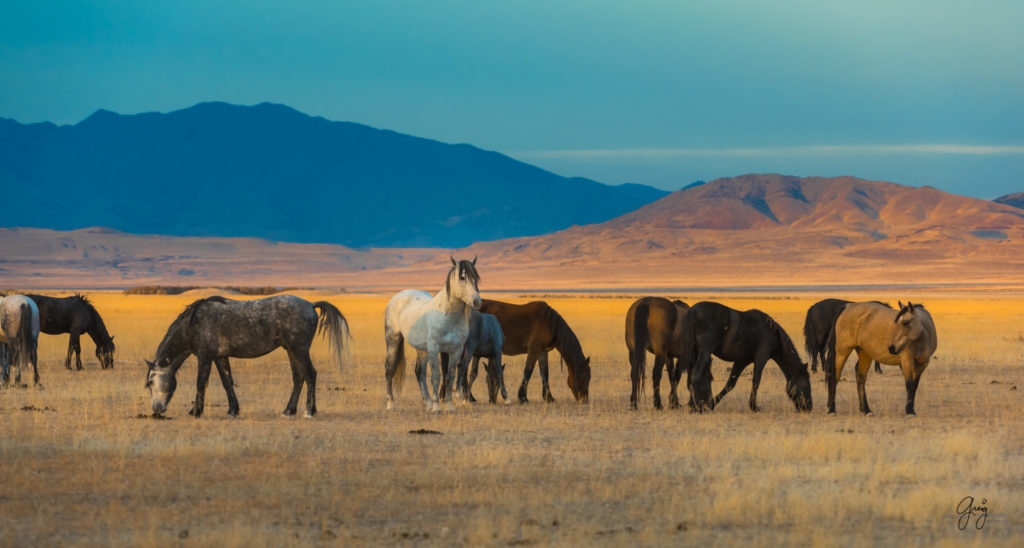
point(98, 329)
point(785, 341)
point(184, 320)
point(909, 307)
point(566, 342)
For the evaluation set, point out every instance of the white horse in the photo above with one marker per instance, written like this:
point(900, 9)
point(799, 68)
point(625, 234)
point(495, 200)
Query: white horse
point(437, 325)
point(19, 335)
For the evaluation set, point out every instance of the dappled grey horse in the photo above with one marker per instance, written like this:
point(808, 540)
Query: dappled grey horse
point(215, 329)
point(19, 336)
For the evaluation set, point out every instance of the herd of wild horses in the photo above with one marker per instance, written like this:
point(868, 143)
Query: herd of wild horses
point(457, 322)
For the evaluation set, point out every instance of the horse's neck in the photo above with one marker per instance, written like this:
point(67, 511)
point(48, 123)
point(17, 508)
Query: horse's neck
point(449, 305)
point(98, 331)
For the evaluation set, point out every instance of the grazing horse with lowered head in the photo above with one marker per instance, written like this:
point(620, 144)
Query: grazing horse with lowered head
point(655, 325)
point(435, 324)
point(905, 338)
point(535, 329)
point(19, 336)
point(485, 341)
point(743, 338)
point(818, 325)
point(75, 315)
point(216, 328)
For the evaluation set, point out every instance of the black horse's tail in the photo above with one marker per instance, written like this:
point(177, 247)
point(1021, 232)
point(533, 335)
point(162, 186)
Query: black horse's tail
point(688, 352)
point(334, 327)
point(811, 338)
point(830, 356)
point(641, 336)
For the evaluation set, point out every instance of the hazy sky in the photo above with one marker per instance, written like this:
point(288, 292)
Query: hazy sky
point(663, 93)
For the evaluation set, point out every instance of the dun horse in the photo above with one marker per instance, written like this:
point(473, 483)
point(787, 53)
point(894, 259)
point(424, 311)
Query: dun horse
point(905, 338)
point(818, 325)
point(742, 338)
point(437, 325)
point(216, 328)
point(75, 315)
point(535, 329)
point(655, 325)
point(19, 336)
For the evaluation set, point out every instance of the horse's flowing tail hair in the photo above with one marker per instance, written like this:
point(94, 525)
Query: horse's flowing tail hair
point(638, 350)
point(334, 327)
point(24, 348)
point(399, 378)
point(810, 337)
point(830, 356)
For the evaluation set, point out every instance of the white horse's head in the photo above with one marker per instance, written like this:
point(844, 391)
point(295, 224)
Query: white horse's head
point(908, 329)
point(462, 282)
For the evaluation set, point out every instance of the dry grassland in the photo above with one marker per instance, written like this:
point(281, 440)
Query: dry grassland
point(80, 467)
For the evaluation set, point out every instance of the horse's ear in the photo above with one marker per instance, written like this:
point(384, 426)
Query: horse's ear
point(453, 261)
point(910, 306)
point(474, 260)
point(900, 303)
point(149, 364)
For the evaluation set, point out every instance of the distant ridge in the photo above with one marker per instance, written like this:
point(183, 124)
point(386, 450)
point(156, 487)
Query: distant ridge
point(1016, 200)
point(269, 171)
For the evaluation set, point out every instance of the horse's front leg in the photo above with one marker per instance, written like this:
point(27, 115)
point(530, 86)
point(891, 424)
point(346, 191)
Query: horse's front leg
point(75, 342)
point(915, 369)
point(863, 367)
point(224, 370)
point(460, 376)
point(756, 383)
point(546, 388)
point(433, 352)
point(531, 360)
point(202, 378)
point(421, 377)
point(734, 375)
point(833, 371)
point(474, 370)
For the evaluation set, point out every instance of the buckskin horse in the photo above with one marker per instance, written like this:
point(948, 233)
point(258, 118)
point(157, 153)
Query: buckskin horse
point(743, 338)
point(818, 325)
point(655, 325)
point(535, 329)
point(75, 315)
point(905, 338)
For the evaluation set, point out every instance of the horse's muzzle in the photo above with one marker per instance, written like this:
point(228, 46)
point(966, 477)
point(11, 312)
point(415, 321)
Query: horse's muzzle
point(159, 408)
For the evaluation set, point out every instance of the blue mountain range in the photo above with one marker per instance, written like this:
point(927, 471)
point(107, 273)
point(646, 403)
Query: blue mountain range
point(269, 171)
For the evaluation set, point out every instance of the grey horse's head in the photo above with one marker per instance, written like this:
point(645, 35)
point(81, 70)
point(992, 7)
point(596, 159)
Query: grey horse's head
point(161, 382)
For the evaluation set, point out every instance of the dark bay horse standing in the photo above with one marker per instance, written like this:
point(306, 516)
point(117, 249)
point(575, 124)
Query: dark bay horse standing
point(905, 338)
point(216, 328)
point(818, 325)
point(535, 329)
point(19, 336)
point(75, 315)
point(743, 338)
point(655, 325)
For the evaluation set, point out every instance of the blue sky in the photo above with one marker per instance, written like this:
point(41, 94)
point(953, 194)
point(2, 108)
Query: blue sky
point(663, 93)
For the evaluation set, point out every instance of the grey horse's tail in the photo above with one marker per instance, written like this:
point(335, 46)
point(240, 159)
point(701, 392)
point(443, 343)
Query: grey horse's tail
point(26, 344)
point(638, 352)
point(334, 327)
point(399, 377)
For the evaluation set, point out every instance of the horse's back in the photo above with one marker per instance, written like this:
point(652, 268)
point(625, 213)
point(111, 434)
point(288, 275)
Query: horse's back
point(662, 320)
point(867, 326)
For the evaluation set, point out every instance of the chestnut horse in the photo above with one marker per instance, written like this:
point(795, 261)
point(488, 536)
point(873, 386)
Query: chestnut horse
point(535, 329)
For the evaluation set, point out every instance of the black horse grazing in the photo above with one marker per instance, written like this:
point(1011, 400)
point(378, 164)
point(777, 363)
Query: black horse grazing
point(75, 315)
point(819, 323)
point(655, 325)
point(216, 328)
point(742, 338)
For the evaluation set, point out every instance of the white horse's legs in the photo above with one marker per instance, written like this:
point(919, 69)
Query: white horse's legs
point(435, 376)
point(421, 377)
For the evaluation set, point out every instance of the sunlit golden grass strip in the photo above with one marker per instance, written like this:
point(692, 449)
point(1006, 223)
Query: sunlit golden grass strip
point(83, 469)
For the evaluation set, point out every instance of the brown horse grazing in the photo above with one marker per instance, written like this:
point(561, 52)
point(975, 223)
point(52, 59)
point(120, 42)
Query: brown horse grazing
point(75, 315)
point(905, 338)
point(535, 329)
point(655, 325)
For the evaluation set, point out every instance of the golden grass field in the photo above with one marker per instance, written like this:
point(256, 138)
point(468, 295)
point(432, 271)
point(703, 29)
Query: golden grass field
point(80, 466)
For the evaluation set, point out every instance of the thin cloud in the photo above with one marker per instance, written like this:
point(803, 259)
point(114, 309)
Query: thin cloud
point(804, 150)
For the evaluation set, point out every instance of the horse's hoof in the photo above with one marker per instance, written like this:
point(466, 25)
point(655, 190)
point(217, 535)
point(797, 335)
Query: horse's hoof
point(388, 406)
point(307, 415)
point(232, 414)
point(289, 412)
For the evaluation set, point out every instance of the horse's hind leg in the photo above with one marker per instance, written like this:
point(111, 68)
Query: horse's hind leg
point(635, 377)
point(304, 365)
point(670, 368)
point(298, 378)
point(734, 375)
point(224, 370)
point(71, 351)
point(659, 363)
point(421, 376)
